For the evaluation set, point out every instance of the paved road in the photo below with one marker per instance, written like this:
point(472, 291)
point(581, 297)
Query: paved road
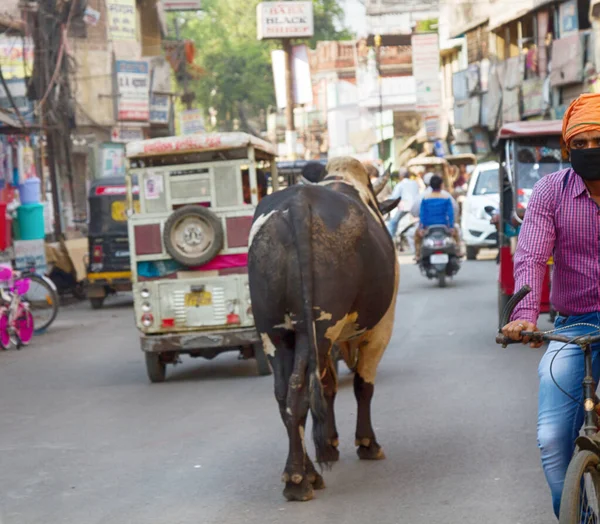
point(86, 440)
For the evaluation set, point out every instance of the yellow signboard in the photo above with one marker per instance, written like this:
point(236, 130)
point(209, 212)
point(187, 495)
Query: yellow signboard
point(118, 210)
point(121, 20)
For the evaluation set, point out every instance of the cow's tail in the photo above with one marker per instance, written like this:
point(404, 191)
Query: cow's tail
point(301, 221)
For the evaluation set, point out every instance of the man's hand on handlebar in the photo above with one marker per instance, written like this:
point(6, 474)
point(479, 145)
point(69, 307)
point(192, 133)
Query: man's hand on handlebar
point(513, 331)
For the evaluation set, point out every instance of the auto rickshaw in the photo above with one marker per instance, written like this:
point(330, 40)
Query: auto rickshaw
point(108, 269)
point(528, 151)
point(421, 165)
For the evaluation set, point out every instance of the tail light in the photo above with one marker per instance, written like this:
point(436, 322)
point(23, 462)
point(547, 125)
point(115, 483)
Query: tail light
point(168, 322)
point(147, 319)
point(233, 318)
point(97, 255)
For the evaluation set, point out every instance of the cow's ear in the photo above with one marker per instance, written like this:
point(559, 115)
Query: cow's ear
point(388, 205)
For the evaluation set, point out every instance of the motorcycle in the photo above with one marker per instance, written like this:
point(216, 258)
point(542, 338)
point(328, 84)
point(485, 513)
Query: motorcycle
point(439, 255)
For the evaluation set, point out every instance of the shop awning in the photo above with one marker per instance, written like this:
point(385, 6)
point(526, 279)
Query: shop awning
point(9, 121)
point(504, 13)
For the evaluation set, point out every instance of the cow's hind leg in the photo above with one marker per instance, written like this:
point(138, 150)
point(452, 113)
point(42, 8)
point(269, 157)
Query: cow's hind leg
point(330, 385)
point(370, 353)
point(298, 485)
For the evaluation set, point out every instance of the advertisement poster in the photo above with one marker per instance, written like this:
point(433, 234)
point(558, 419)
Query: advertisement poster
point(133, 83)
point(16, 56)
point(159, 109)
point(121, 20)
point(30, 253)
point(153, 187)
point(112, 160)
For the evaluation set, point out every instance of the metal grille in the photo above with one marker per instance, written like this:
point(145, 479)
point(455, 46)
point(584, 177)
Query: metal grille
point(227, 179)
point(187, 188)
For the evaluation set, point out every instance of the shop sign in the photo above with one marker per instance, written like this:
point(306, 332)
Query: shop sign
point(285, 20)
point(121, 20)
point(30, 253)
point(134, 90)
point(181, 5)
point(127, 134)
point(159, 109)
point(191, 122)
point(426, 70)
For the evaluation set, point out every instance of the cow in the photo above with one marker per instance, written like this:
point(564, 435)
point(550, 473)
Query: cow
point(322, 270)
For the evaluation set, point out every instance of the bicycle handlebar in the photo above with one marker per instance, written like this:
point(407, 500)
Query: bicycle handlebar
point(536, 336)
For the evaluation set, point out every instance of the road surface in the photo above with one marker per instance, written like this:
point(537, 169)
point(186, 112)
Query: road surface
point(86, 439)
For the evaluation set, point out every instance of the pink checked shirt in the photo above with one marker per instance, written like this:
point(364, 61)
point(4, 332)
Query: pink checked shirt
point(561, 220)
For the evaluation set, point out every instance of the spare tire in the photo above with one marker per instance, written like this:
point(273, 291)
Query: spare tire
point(193, 235)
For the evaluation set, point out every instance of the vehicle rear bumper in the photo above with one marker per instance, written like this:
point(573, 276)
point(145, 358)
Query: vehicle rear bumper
point(197, 341)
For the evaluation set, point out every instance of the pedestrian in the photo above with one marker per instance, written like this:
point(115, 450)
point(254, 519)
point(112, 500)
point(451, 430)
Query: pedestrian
point(563, 220)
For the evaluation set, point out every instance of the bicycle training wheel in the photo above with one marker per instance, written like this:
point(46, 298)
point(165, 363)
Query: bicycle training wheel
point(24, 326)
point(43, 302)
point(579, 502)
point(4, 331)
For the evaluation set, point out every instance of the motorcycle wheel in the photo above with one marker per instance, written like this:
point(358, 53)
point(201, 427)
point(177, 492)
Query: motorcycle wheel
point(442, 279)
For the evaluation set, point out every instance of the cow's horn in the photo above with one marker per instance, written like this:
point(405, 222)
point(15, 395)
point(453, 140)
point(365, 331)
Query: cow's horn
point(382, 180)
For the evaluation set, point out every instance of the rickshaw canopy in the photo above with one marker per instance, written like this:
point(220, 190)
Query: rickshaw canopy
point(198, 143)
point(530, 128)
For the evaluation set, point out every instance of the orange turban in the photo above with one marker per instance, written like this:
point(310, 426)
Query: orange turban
point(582, 115)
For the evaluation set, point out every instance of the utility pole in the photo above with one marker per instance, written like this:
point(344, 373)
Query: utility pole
point(379, 83)
point(290, 128)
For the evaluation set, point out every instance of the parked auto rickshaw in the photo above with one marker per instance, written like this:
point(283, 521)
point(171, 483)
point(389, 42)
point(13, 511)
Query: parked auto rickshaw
point(108, 269)
point(528, 151)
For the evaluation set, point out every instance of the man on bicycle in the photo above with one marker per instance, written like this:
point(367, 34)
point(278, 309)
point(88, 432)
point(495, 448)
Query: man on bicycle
point(563, 220)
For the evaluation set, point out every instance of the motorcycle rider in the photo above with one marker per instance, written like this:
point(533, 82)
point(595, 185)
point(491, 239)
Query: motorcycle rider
point(436, 210)
point(563, 220)
point(408, 191)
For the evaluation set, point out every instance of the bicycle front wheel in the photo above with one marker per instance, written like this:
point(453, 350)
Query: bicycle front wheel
point(43, 302)
point(579, 501)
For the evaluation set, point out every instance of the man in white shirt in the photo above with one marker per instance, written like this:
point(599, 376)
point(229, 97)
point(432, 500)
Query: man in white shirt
point(408, 191)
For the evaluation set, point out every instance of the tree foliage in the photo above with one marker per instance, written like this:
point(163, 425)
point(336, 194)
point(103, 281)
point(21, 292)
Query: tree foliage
point(238, 79)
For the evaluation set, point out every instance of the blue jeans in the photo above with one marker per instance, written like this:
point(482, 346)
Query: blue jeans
point(559, 418)
point(392, 224)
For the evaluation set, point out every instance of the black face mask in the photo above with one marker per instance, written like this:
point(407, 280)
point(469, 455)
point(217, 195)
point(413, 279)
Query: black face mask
point(586, 163)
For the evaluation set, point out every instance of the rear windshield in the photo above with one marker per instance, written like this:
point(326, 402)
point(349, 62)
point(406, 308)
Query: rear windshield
point(487, 182)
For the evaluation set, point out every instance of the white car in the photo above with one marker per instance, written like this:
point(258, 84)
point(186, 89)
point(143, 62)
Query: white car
point(475, 223)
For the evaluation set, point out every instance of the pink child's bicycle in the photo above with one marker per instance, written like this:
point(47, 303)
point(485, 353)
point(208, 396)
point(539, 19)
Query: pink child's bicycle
point(16, 321)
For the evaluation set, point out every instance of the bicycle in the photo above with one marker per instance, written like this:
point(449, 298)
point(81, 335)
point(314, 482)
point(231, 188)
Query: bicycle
point(16, 321)
point(580, 501)
point(43, 299)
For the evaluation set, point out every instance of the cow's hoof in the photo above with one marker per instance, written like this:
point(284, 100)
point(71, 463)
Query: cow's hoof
point(371, 452)
point(316, 480)
point(330, 454)
point(298, 492)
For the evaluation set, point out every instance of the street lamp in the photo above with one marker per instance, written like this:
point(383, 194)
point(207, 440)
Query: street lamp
point(377, 40)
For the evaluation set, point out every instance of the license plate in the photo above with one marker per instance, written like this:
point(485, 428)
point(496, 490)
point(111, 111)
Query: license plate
point(439, 259)
point(198, 298)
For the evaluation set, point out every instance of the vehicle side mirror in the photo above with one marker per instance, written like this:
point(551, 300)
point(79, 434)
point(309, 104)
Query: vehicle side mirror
point(388, 205)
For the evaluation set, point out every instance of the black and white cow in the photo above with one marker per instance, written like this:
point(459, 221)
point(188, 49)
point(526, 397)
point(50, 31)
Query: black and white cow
point(322, 270)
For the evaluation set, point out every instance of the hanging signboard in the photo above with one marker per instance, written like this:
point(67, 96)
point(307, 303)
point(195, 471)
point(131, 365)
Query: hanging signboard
point(16, 56)
point(426, 70)
point(191, 122)
point(181, 5)
point(121, 20)
point(285, 20)
point(133, 89)
point(159, 109)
